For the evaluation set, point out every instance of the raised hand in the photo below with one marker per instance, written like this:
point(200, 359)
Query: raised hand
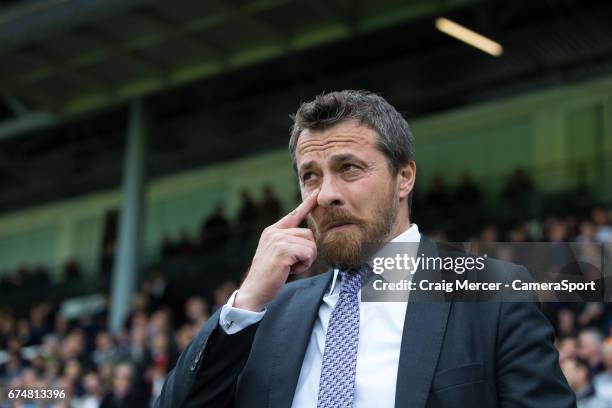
point(283, 249)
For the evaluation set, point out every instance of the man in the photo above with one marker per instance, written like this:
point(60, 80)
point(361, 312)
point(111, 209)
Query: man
point(312, 343)
point(603, 381)
point(577, 372)
point(590, 342)
point(125, 392)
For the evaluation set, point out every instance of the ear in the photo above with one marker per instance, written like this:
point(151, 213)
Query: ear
point(406, 178)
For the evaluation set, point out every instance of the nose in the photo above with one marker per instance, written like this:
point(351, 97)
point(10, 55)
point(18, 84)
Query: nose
point(330, 194)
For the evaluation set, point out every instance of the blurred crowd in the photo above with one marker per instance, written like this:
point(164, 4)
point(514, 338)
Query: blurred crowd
point(42, 348)
point(217, 231)
point(47, 351)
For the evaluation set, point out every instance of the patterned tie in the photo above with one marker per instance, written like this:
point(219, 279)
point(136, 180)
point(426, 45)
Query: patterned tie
point(337, 383)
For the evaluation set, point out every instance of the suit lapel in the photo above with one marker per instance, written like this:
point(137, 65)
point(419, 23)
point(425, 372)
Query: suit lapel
point(423, 333)
point(422, 337)
point(292, 339)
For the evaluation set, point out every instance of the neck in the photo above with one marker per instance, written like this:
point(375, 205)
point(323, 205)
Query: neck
point(401, 225)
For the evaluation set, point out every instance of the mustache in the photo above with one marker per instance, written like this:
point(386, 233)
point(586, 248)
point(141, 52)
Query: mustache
point(335, 217)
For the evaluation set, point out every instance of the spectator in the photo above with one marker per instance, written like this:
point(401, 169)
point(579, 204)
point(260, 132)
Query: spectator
point(603, 381)
point(223, 292)
point(468, 206)
point(603, 232)
point(185, 245)
point(468, 192)
point(587, 232)
point(215, 231)
point(269, 208)
point(247, 216)
point(566, 347)
point(105, 349)
point(93, 392)
point(72, 270)
point(519, 234)
point(159, 322)
point(72, 375)
point(566, 323)
point(39, 314)
point(589, 349)
point(137, 350)
point(125, 392)
point(556, 231)
point(168, 247)
point(438, 195)
point(436, 201)
point(23, 331)
point(578, 376)
point(184, 336)
point(518, 193)
point(163, 358)
point(196, 310)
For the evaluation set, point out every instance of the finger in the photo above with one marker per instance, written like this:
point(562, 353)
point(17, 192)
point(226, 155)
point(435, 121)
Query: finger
point(299, 232)
point(298, 268)
point(294, 253)
point(295, 217)
point(290, 239)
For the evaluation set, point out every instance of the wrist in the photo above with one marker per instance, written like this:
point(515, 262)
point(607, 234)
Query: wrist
point(246, 301)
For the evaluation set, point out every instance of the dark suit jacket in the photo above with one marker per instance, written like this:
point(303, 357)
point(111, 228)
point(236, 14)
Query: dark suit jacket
point(468, 354)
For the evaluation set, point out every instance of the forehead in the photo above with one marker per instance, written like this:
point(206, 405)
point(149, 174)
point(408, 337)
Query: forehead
point(349, 136)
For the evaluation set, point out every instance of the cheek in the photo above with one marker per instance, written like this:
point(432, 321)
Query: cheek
point(306, 190)
point(370, 190)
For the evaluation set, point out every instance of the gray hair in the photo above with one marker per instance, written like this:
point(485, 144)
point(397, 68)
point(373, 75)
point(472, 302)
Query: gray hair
point(394, 138)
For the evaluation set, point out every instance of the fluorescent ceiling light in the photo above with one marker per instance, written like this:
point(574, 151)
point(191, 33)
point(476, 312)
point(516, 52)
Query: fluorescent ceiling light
point(469, 37)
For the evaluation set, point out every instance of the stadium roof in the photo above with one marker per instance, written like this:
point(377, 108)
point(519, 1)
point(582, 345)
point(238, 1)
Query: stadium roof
point(75, 56)
point(215, 71)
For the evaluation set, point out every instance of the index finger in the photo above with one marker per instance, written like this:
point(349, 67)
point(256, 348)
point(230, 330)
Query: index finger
point(295, 217)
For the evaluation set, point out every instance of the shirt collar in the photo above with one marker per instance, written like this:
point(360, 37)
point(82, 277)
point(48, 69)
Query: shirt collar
point(412, 234)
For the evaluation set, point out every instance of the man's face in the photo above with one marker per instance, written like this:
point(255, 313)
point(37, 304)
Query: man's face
point(358, 200)
point(588, 346)
point(570, 372)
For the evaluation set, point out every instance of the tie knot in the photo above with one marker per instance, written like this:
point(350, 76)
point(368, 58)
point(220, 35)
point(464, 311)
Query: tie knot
point(352, 280)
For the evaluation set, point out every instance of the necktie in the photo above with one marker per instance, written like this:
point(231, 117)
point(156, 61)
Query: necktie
point(337, 382)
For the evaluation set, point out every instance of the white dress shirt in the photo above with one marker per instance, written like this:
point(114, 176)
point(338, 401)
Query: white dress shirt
point(380, 336)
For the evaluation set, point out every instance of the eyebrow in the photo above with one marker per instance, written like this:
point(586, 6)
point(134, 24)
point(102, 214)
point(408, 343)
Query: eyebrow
point(343, 157)
point(307, 166)
point(335, 159)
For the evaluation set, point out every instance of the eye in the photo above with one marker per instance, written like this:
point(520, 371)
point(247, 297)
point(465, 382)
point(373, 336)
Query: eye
point(349, 167)
point(308, 176)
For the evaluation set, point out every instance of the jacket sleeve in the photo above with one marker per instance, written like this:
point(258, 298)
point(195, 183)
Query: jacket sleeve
point(528, 371)
point(207, 370)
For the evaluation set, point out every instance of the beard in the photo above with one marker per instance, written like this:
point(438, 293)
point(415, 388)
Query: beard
point(352, 248)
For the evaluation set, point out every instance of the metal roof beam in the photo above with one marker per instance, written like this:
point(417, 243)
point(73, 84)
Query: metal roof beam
point(240, 14)
point(350, 18)
point(35, 21)
point(112, 47)
point(56, 64)
point(15, 105)
point(172, 29)
point(200, 24)
point(26, 123)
